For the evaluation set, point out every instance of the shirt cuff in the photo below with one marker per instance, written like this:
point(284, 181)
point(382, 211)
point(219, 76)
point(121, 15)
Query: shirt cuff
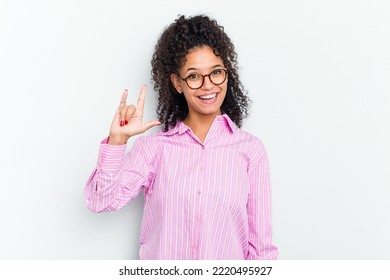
point(110, 156)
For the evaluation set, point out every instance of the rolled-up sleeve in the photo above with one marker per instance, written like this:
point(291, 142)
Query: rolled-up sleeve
point(117, 178)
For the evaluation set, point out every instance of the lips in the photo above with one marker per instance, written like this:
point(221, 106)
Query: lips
point(208, 97)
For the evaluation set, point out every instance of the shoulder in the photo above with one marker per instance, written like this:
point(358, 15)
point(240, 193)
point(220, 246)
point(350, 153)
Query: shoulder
point(252, 148)
point(149, 140)
point(150, 146)
point(254, 143)
point(241, 136)
point(155, 141)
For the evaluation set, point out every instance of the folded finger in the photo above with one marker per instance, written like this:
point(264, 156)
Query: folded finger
point(122, 116)
point(129, 114)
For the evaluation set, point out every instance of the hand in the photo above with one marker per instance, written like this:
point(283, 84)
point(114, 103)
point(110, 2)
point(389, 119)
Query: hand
point(127, 121)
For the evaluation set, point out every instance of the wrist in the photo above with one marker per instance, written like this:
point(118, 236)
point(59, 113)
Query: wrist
point(117, 141)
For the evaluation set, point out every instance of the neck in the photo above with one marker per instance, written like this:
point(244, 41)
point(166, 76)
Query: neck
point(200, 124)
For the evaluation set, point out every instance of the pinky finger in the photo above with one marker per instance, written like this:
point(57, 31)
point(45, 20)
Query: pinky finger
point(123, 99)
point(122, 116)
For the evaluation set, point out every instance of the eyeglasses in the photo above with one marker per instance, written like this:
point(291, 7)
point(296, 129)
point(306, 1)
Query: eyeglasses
point(196, 81)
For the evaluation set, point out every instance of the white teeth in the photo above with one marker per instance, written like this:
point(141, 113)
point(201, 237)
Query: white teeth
point(211, 96)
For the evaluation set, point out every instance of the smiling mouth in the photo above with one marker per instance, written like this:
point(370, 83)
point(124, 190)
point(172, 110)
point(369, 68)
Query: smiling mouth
point(208, 97)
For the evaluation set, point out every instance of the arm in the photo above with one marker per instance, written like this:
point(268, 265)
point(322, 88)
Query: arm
point(117, 178)
point(259, 212)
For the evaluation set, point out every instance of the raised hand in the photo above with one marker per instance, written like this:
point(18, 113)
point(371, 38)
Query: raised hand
point(127, 121)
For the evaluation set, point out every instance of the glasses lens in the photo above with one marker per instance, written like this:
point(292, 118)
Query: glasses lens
point(218, 76)
point(195, 81)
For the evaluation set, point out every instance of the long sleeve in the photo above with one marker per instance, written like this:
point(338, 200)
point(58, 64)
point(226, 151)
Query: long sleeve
point(259, 212)
point(117, 178)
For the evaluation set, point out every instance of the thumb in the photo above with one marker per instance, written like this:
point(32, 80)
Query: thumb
point(149, 125)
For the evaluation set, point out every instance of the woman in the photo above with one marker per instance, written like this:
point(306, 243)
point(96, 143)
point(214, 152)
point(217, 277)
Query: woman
point(205, 181)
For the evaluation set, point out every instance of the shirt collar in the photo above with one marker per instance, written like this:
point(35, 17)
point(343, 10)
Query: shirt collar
point(181, 127)
point(225, 119)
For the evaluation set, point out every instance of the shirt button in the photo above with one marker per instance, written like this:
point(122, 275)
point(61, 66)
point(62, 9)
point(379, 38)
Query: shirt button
point(199, 192)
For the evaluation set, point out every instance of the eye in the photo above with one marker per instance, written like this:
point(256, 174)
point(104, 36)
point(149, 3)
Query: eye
point(193, 76)
point(217, 72)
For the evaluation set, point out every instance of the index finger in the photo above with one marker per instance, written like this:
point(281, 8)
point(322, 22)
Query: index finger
point(123, 99)
point(141, 99)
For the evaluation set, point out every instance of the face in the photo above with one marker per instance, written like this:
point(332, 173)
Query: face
point(207, 99)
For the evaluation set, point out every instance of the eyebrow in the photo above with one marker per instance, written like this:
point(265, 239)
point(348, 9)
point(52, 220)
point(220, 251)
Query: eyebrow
point(192, 68)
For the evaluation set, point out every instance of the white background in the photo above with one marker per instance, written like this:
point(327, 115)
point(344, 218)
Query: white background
point(317, 72)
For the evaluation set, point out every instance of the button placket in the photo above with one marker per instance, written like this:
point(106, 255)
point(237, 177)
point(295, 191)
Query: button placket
point(198, 210)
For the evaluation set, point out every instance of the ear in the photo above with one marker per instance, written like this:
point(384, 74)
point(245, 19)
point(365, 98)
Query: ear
point(176, 83)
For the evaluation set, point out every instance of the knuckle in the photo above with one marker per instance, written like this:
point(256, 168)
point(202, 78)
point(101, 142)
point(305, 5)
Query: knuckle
point(131, 109)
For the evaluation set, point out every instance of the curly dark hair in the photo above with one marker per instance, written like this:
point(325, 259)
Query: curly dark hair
point(171, 49)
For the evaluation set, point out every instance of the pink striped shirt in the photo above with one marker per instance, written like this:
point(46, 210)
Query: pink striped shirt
point(208, 200)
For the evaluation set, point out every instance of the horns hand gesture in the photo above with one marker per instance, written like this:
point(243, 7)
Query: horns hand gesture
point(128, 121)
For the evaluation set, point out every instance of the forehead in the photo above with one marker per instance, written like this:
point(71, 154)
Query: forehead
point(201, 58)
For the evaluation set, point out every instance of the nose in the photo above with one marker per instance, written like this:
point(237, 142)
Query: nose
point(207, 83)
